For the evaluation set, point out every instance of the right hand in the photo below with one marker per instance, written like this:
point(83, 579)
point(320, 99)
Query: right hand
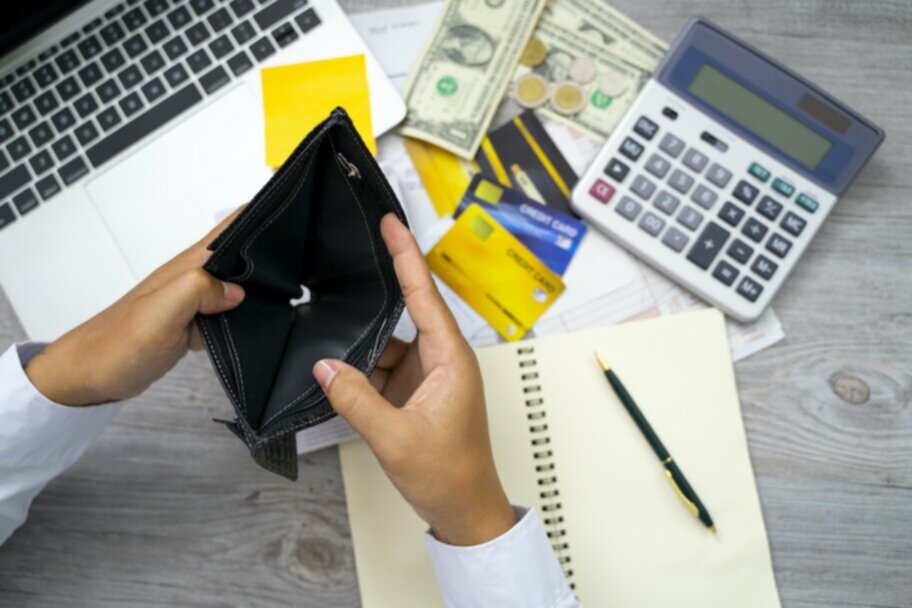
point(422, 412)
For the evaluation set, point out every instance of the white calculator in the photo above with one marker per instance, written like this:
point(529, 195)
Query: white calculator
point(723, 169)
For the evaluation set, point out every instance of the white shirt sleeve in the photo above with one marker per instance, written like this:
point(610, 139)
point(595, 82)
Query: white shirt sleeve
point(39, 439)
point(515, 570)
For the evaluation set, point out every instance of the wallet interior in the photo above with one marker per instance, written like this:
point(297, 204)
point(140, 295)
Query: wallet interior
point(315, 225)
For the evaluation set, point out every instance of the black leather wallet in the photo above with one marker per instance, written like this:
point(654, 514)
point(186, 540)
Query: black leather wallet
point(316, 225)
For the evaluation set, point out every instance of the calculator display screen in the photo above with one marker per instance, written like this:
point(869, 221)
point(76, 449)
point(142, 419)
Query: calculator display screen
point(759, 116)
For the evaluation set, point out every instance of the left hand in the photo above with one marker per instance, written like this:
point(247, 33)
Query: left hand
point(121, 351)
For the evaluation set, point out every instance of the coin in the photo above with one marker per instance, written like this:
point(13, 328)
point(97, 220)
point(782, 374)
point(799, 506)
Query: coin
point(612, 83)
point(534, 53)
point(568, 98)
point(531, 91)
point(583, 70)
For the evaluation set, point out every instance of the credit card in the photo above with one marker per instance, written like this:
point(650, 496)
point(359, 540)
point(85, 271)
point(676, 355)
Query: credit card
point(494, 273)
point(551, 235)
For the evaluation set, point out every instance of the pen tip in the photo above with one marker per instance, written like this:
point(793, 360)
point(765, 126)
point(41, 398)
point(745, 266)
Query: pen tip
point(601, 363)
point(713, 529)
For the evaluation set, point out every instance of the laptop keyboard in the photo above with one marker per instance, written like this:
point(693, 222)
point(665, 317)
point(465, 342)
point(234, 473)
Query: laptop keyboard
point(120, 77)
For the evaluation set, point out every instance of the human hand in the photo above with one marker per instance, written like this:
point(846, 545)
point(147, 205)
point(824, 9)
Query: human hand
point(121, 351)
point(422, 412)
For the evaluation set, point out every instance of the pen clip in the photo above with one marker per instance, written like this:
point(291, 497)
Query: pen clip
point(687, 502)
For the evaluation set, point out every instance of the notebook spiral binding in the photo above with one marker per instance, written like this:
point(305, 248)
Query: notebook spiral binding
point(545, 466)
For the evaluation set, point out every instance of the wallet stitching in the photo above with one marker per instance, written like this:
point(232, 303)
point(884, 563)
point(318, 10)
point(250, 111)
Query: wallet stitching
point(373, 322)
point(237, 363)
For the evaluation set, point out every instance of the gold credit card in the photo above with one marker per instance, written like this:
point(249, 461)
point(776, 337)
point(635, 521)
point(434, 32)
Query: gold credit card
point(494, 273)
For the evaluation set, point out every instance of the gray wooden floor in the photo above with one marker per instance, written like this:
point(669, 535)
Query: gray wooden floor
point(168, 509)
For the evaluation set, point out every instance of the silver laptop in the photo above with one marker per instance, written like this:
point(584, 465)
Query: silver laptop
point(127, 128)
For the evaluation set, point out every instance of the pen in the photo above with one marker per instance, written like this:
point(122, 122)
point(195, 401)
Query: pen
point(672, 472)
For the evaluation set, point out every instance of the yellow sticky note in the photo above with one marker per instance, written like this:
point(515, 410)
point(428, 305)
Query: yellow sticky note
point(297, 97)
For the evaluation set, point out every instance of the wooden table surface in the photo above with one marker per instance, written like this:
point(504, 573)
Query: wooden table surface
point(167, 508)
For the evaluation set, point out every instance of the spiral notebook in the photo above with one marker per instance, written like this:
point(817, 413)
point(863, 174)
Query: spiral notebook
point(565, 445)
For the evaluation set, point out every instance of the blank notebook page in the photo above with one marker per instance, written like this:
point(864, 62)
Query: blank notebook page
point(624, 537)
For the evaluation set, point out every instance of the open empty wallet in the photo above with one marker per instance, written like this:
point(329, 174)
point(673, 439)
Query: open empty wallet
point(313, 229)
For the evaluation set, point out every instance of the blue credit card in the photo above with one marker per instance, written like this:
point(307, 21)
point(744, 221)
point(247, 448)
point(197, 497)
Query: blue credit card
point(551, 235)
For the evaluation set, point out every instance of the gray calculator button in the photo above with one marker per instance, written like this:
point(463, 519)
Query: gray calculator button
point(646, 128)
point(666, 202)
point(680, 181)
point(690, 218)
point(778, 245)
point(708, 245)
point(652, 223)
point(745, 192)
point(631, 148)
point(764, 267)
point(642, 187)
point(769, 208)
point(671, 145)
point(754, 230)
point(718, 175)
point(740, 251)
point(725, 272)
point(675, 239)
point(628, 208)
point(749, 289)
point(695, 160)
point(731, 214)
point(657, 165)
point(793, 224)
point(704, 197)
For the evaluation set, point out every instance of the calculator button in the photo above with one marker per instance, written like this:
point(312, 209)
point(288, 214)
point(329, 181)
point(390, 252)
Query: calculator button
point(652, 223)
point(628, 208)
point(754, 230)
point(759, 171)
point(731, 214)
point(725, 272)
point(617, 170)
point(718, 175)
point(602, 190)
point(769, 208)
point(680, 181)
point(695, 160)
point(793, 224)
point(642, 187)
point(740, 251)
point(704, 197)
point(783, 187)
point(745, 192)
point(646, 128)
point(807, 202)
point(750, 289)
point(708, 245)
point(764, 267)
point(675, 239)
point(657, 165)
point(668, 112)
point(690, 218)
point(671, 145)
point(666, 202)
point(631, 149)
point(778, 245)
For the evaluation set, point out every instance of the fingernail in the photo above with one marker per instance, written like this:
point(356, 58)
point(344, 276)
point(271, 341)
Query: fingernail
point(234, 293)
point(324, 371)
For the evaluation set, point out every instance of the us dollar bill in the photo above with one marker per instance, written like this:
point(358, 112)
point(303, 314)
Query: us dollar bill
point(460, 78)
point(601, 112)
point(608, 27)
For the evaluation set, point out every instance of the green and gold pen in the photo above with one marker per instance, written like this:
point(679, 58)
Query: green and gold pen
point(672, 472)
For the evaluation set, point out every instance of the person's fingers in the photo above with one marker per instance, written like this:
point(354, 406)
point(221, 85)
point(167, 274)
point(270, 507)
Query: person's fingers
point(351, 395)
point(425, 305)
point(173, 307)
point(379, 378)
point(393, 353)
point(196, 338)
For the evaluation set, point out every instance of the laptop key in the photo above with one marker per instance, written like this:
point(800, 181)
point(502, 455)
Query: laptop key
point(152, 62)
point(46, 103)
point(131, 104)
point(157, 31)
point(85, 133)
point(109, 118)
point(198, 61)
point(275, 12)
point(221, 46)
point(85, 105)
point(23, 117)
point(107, 90)
point(155, 7)
point(200, 7)
point(41, 162)
point(63, 148)
point(45, 75)
point(68, 88)
point(219, 20)
point(135, 46)
point(92, 25)
point(112, 60)
point(175, 75)
point(6, 129)
point(143, 124)
point(114, 11)
point(179, 17)
point(130, 77)
point(153, 89)
point(40, 134)
point(90, 74)
point(47, 187)
point(67, 61)
point(214, 79)
point(23, 89)
point(4, 164)
point(241, 7)
point(112, 33)
point(262, 49)
point(243, 32)
point(18, 148)
point(175, 47)
point(6, 103)
point(197, 34)
point(239, 63)
point(25, 201)
point(134, 19)
point(13, 180)
point(73, 170)
point(7, 216)
point(284, 35)
point(89, 47)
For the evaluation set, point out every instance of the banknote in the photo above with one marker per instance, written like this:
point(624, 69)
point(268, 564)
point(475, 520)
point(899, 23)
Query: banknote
point(601, 112)
point(460, 78)
point(605, 25)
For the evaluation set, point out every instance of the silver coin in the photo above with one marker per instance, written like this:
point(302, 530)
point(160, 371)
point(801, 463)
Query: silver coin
point(613, 83)
point(583, 70)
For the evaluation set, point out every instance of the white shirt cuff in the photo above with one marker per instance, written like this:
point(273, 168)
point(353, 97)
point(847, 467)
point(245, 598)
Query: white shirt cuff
point(33, 429)
point(515, 570)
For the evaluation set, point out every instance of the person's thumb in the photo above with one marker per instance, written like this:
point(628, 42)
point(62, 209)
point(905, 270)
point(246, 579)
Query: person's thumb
point(354, 398)
point(191, 292)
